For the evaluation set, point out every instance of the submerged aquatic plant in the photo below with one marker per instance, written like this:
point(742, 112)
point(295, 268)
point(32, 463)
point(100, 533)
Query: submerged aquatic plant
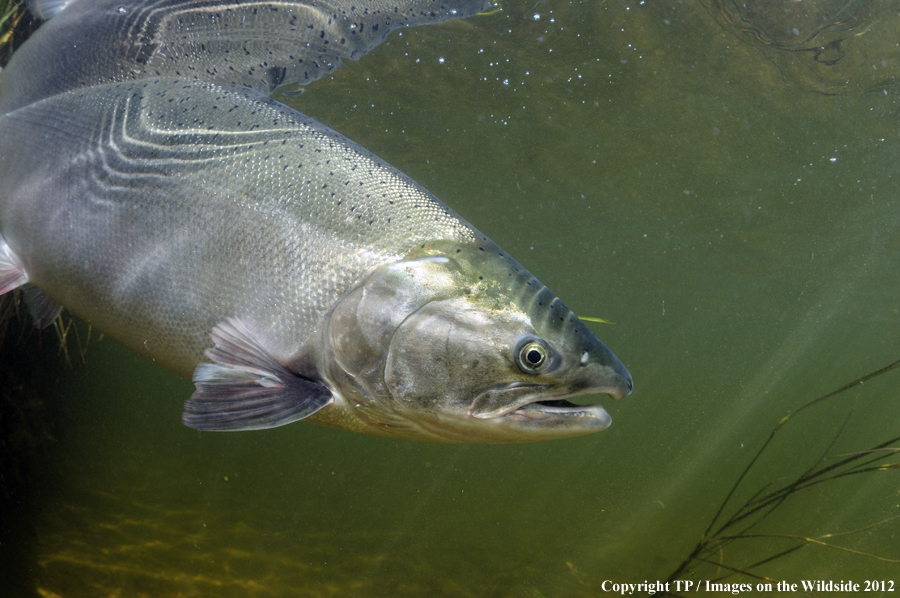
point(16, 24)
point(723, 533)
point(73, 336)
point(595, 320)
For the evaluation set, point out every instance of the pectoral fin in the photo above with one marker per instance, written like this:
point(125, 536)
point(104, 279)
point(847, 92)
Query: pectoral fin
point(12, 274)
point(42, 308)
point(245, 388)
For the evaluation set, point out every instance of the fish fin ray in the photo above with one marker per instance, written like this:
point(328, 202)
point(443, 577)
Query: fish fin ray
point(245, 388)
point(12, 274)
point(42, 308)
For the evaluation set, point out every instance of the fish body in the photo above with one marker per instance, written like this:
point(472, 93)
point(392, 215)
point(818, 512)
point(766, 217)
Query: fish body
point(292, 273)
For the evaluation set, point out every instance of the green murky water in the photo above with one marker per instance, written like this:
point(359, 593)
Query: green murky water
point(720, 187)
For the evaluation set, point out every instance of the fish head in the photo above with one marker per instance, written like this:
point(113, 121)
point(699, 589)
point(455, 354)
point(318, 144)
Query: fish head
point(469, 347)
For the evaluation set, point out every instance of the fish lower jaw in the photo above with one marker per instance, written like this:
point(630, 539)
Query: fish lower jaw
point(539, 403)
point(563, 411)
point(544, 420)
point(555, 406)
point(549, 417)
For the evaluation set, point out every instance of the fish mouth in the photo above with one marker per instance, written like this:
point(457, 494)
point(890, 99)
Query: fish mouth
point(560, 412)
point(519, 404)
point(554, 406)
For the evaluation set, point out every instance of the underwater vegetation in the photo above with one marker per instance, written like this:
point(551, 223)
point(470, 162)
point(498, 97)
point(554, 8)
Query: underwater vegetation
point(738, 520)
point(16, 25)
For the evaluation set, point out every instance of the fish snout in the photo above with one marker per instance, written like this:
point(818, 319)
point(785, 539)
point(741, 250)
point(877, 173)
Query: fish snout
point(605, 373)
point(624, 386)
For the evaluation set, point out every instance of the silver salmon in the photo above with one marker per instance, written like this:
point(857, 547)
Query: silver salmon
point(151, 186)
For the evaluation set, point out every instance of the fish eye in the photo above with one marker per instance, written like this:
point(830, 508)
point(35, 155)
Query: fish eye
point(532, 356)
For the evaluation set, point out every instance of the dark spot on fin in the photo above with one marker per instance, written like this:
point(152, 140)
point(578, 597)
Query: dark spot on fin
point(12, 275)
point(42, 308)
point(245, 388)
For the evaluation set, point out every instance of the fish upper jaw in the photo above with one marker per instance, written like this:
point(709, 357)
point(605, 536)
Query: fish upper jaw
point(619, 386)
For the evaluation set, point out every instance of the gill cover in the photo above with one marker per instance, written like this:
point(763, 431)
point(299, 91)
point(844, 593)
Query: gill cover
point(362, 324)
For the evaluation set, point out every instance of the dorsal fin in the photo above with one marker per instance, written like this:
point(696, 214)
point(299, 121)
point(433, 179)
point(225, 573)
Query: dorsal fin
point(260, 44)
point(47, 9)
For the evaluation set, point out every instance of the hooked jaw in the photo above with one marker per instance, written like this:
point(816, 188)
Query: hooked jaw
point(578, 364)
point(532, 409)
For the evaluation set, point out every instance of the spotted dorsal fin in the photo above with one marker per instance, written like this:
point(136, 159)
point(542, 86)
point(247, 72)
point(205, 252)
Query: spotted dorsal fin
point(260, 44)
